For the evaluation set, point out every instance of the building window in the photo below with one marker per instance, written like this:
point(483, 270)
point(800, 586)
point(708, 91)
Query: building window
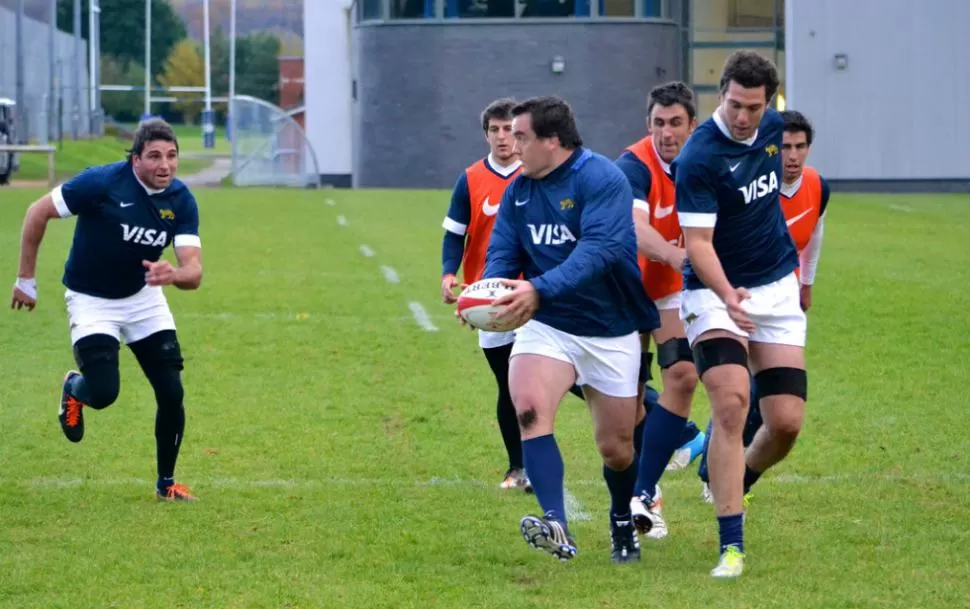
point(754, 14)
point(471, 9)
point(370, 10)
point(552, 8)
point(412, 9)
point(617, 8)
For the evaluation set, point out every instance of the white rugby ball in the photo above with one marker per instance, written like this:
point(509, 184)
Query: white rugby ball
point(475, 305)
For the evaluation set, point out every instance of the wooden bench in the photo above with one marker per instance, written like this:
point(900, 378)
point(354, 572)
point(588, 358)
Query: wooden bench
point(29, 148)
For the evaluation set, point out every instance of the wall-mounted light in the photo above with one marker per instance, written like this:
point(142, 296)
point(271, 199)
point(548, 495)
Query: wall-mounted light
point(841, 61)
point(558, 65)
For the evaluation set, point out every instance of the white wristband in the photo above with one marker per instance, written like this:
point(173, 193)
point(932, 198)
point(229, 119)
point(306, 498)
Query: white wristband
point(27, 286)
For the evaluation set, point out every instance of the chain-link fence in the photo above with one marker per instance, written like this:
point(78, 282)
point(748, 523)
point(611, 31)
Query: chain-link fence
point(269, 147)
point(49, 110)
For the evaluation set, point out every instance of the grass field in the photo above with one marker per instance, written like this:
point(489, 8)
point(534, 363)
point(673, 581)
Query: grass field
point(345, 455)
point(74, 156)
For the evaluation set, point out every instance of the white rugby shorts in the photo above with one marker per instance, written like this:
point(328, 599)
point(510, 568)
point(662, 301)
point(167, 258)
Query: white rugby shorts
point(775, 308)
point(491, 340)
point(132, 319)
point(609, 365)
point(669, 302)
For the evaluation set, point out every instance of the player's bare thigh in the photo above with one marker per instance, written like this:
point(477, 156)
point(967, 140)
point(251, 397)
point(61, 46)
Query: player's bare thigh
point(670, 326)
point(538, 384)
point(726, 384)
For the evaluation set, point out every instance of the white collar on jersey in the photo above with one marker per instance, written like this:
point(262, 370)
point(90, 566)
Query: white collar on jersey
point(501, 169)
point(150, 191)
point(789, 190)
point(724, 129)
point(663, 163)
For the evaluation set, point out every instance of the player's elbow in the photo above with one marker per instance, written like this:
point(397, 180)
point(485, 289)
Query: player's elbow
point(42, 211)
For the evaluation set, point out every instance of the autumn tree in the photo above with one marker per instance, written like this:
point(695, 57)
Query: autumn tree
point(185, 68)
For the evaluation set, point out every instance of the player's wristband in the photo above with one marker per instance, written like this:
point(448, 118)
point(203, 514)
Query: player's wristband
point(27, 286)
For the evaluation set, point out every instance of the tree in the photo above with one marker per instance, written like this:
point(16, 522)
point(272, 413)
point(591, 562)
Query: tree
point(122, 106)
point(123, 30)
point(185, 68)
point(257, 67)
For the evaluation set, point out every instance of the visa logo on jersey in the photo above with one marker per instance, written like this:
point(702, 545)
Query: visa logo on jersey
point(144, 236)
point(759, 187)
point(550, 234)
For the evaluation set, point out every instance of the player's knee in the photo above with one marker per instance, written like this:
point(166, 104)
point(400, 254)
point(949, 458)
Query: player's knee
point(716, 352)
point(97, 357)
point(102, 389)
point(616, 449)
point(161, 359)
point(729, 408)
point(681, 378)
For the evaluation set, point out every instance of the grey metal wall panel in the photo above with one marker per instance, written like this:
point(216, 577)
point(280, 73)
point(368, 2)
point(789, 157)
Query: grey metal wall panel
point(899, 109)
point(36, 77)
point(420, 89)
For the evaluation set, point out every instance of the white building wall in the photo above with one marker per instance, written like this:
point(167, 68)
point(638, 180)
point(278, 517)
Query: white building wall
point(327, 85)
point(899, 108)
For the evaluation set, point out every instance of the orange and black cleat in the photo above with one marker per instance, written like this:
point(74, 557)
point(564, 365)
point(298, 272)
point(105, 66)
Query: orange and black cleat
point(69, 410)
point(174, 492)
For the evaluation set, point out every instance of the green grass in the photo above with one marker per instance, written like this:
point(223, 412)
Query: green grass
point(74, 156)
point(344, 457)
point(190, 139)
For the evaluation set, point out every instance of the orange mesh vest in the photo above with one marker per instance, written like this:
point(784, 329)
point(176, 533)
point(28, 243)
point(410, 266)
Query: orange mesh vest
point(485, 189)
point(659, 279)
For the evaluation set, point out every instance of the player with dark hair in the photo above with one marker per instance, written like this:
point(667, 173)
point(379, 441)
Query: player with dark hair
point(741, 297)
point(468, 227)
point(804, 199)
point(671, 117)
point(128, 213)
point(566, 224)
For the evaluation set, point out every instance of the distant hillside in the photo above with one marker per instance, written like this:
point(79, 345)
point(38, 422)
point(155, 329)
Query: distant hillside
point(283, 17)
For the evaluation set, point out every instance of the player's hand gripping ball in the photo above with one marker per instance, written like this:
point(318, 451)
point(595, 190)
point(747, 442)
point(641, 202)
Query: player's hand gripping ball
point(476, 306)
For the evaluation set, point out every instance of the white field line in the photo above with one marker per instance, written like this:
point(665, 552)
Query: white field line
point(421, 316)
point(574, 509)
point(329, 202)
point(390, 274)
point(366, 251)
point(342, 221)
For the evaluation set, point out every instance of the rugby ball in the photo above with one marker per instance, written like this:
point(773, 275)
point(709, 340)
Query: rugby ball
point(475, 305)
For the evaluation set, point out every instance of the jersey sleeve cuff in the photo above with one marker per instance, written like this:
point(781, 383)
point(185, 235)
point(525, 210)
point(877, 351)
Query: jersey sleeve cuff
point(57, 195)
point(642, 205)
point(697, 220)
point(187, 241)
point(454, 227)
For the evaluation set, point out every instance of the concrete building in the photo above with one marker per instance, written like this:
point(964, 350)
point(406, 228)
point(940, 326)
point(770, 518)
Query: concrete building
point(394, 87)
point(886, 84)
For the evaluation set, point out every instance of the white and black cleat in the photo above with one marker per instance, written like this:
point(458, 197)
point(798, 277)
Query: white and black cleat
point(548, 535)
point(624, 541)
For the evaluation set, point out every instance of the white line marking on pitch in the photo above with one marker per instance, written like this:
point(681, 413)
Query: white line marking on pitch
point(329, 202)
point(421, 316)
point(390, 274)
point(900, 208)
point(341, 221)
point(366, 251)
point(574, 509)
